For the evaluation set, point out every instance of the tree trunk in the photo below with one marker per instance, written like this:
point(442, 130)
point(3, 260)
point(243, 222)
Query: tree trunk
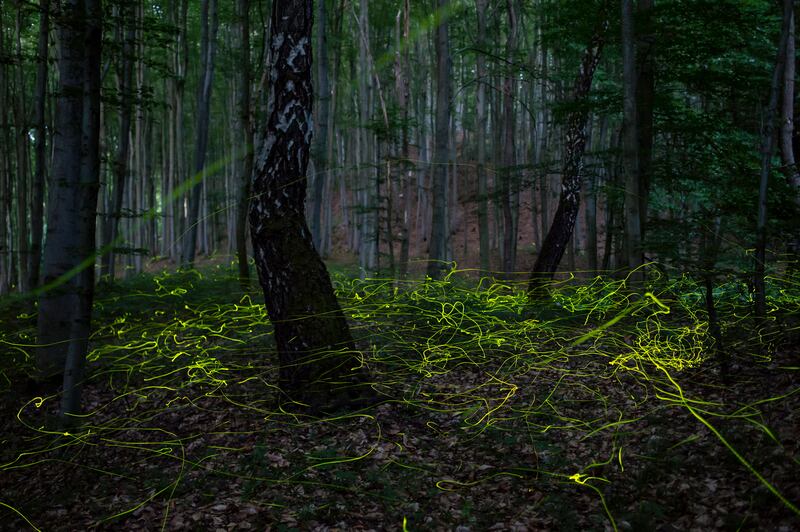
point(321, 135)
point(40, 147)
point(508, 173)
point(558, 236)
point(316, 351)
point(787, 131)
point(21, 131)
point(5, 188)
point(480, 139)
point(208, 48)
point(128, 36)
point(630, 146)
point(767, 145)
point(246, 128)
point(402, 73)
point(65, 305)
point(645, 100)
point(439, 232)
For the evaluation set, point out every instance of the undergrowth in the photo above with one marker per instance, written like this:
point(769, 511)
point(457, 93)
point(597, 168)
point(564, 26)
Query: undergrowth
point(604, 408)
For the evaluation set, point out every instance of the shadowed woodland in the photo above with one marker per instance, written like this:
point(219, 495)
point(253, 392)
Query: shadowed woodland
point(399, 265)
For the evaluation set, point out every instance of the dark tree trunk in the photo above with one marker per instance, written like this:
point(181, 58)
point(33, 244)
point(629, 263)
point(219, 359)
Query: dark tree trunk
point(128, 36)
point(65, 305)
point(480, 139)
point(208, 47)
point(22, 145)
point(630, 146)
point(767, 148)
point(508, 174)
point(645, 101)
point(321, 135)
point(438, 242)
point(40, 147)
point(246, 124)
point(5, 186)
point(316, 351)
point(555, 243)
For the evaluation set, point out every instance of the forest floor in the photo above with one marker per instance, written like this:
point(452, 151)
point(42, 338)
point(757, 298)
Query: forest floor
point(603, 409)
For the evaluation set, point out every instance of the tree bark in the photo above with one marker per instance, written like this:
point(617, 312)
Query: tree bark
point(22, 170)
point(767, 148)
point(5, 188)
point(40, 146)
point(439, 232)
point(315, 349)
point(321, 136)
point(128, 36)
point(790, 168)
point(560, 231)
point(507, 189)
point(402, 73)
point(480, 139)
point(630, 146)
point(65, 305)
point(645, 101)
point(246, 128)
point(208, 48)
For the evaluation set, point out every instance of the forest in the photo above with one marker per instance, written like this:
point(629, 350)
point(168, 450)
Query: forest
point(399, 265)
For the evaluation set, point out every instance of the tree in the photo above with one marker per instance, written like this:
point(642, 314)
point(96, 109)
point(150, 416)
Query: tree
point(315, 349)
point(65, 305)
point(246, 126)
point(767, 148)
point(40, 146)
point(438, 240)
point(509, 192)
point(630, 144)
point(788, 128)
point(127, 36)
point(560, 231)
point(208, 50)
point(480, 138)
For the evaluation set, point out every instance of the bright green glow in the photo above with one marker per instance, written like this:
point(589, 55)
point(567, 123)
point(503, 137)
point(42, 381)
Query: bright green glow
point(470, 361)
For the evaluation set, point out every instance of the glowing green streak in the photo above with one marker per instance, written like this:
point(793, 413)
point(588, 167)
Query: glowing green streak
point(4, 505)
point(767, 484)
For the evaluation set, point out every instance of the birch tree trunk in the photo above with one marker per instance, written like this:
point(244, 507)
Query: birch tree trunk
point(560, 231)
point(315, 349)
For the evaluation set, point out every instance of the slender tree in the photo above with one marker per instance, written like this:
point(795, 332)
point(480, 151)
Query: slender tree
point(65, 304)
point(315, 349)
point(507, 177)
point(246, 128)
point(127, 34)
point(645, 102)
point(208, 50)
point(438, 240)
point(630, 144)
point(555, 243)
point(480, 137)
point(40, 146)
point(767, 149)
